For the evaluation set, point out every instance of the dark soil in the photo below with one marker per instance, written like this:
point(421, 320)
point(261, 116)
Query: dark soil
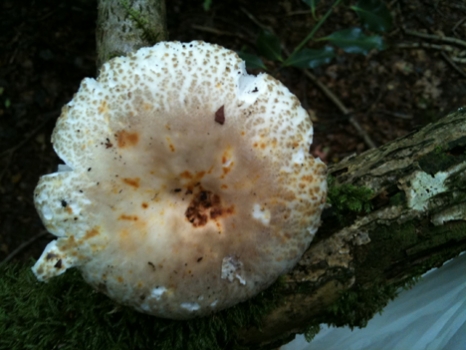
point(47, 47)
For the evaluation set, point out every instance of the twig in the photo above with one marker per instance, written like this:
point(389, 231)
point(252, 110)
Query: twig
point(443, 48)
point(453, 64)
point(212, 30)
point(327, 92)
point(257, 22)
point(316, 27)
point(296, 13)
point(436, 37)
point(395, 114)
point(460, 22)
point(458, 59)
point(367, 139)
point(221, 32)
point(362, 132)
point(23, 245)
point(426, 46)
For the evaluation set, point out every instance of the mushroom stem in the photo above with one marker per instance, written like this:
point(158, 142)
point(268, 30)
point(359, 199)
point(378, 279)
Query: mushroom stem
point(124, 26)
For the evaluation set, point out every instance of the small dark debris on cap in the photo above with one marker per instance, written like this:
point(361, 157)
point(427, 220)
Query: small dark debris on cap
point(220, 115)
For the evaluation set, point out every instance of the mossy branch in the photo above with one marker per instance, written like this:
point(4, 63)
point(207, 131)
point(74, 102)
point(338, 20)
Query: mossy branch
point(67, 313)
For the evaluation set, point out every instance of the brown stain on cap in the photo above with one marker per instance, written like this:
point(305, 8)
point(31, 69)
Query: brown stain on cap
point(206, 206)
point(127, 139)
point(132, 182)
point(128, 217)
point(92, 233)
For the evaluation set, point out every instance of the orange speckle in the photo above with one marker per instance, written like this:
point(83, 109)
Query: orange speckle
point(262, 145)
point(103, 108)
point(226, 170)
point(243, 133)
point(230, 210)
point(255, 144)
point(226, 156)
point(91, 233)
point(128, 217)
point(307, 178)
point(224, 186)
point(144, 205)
point(132, 182)
point(186, 175)
point(69, 210)
point(146, 106)
point(170, 144)
point(127, 139)
point(120, 279)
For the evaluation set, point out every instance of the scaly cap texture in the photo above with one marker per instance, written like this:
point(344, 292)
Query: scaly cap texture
point(188, 185)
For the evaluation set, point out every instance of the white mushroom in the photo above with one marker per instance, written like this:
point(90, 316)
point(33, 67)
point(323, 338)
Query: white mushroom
point(188, 185)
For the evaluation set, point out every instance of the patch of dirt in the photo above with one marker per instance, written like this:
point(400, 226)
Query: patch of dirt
point(49, 46)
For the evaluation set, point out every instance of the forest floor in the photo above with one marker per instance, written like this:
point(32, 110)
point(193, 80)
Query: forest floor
point(48, 47)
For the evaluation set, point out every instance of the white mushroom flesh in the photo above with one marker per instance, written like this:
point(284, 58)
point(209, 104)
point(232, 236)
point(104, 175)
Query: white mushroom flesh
point(188, 185)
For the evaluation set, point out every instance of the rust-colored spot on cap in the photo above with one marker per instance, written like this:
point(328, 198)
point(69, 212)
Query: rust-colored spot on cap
point(127, 139)
point(128, 217)
point(220, 115)
point(307, 178)
point(132, 182)
point(91, 233)
point(186, 175)
point(103, 108)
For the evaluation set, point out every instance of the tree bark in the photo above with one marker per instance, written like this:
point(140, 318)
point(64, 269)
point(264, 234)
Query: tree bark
point(124, 26)
point(418, 221)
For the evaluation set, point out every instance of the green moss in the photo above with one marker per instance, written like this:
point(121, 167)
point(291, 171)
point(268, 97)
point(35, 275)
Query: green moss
point(399, 199)
point(357, 306)
point(66, 313)
point(444, 157)
point(141, 23)
point(311, 331)
point(348, 199)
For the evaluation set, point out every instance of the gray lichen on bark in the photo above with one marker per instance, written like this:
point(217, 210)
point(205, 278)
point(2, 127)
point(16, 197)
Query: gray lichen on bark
point(124, 26)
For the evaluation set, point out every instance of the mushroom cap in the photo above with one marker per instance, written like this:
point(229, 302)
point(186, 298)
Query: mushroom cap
point(188, 184)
